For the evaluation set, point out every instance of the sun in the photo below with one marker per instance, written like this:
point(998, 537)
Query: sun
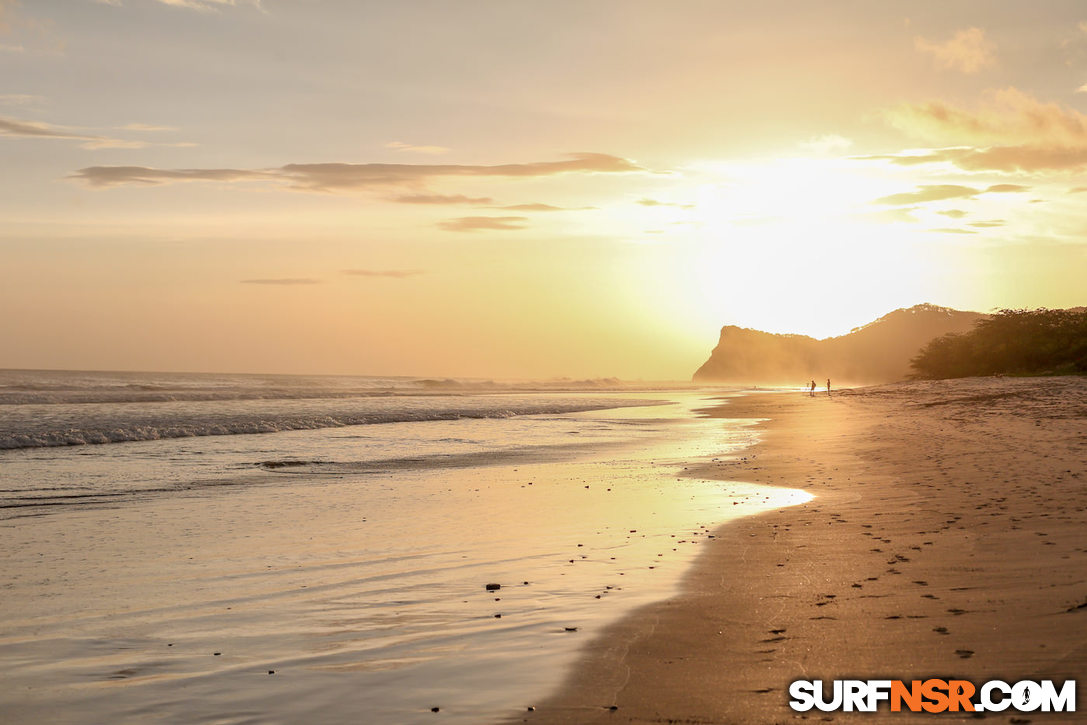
point(796, 246)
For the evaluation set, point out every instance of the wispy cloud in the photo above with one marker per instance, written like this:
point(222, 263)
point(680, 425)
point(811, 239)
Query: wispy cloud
point(20, 99)
point(1011, 132)
point(543, 207)
point(390, 273)
point(929, 192)
point(1007, 158)
point(401, 146)
point(988, 223)
point(654, 202)
point(826, 144)
point(33, 129)
point(953, 213)
point(205, 6)
point(940, 192)
point(1008, 117)
point(14, 127)
point(141, 175)
point(442, 199)
point(331, 177)
point(483, 223)
point(968, 51)
point(145, 127)
point(953, 230)
point(288, 281)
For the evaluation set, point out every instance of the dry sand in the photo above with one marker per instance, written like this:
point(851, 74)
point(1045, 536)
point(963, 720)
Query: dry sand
point(948, 537)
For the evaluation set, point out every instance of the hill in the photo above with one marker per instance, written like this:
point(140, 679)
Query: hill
point(878, 352)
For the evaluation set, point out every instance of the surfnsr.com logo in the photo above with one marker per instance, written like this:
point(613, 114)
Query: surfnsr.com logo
point(933, 695)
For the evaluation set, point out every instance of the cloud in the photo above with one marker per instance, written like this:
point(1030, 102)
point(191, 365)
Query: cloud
point(929, 192)
point(331, 177)
point(998, 158)
point(543, 207)
point(145, 127)
point(390, 273)
point(1007, 117)
point(206, 6)
point(442, 199)
point(940, 192)
point(654, 202)
point(1077, 190)
point(1082, 89)
point(988, 223)
point(480, 223)
point(116, 175)
point(283, 281)
point(953, 213)
point(826, 144)
point(968, 51)
point(34, 129)
point(401, 146)
point(20, 99)
point(15, 127)
point(952, 230)
point(1011, 132)
point(893, 215)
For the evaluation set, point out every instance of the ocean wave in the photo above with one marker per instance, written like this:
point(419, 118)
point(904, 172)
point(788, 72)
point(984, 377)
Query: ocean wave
point(36, 435)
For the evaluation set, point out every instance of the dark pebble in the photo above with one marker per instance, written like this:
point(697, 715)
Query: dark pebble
point(493, 587)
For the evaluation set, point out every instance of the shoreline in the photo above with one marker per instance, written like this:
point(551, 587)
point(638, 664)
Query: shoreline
point(946, 539)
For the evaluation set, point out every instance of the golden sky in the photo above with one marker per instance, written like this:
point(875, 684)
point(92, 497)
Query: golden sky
point(523, 189)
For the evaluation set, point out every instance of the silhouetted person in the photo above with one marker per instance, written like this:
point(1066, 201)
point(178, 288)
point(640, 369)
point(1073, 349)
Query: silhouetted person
point(811, 391)
point(828, 386)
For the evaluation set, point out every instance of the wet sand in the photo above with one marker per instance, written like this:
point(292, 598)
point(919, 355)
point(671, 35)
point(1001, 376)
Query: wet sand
point(948, 537)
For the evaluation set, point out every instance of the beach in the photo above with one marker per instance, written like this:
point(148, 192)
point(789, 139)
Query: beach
point(946, 539)
point(655, 556)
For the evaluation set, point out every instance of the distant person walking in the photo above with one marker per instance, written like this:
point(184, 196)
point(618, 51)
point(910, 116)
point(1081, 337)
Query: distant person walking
point(828, 386)
point(811, 390)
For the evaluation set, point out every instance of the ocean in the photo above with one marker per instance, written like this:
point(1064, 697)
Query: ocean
point(246, 548)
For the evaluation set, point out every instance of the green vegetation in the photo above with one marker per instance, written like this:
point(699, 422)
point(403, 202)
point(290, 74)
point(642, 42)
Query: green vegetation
point(1011, 342)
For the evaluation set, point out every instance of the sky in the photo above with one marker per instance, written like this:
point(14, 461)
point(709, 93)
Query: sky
point(523, 189)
